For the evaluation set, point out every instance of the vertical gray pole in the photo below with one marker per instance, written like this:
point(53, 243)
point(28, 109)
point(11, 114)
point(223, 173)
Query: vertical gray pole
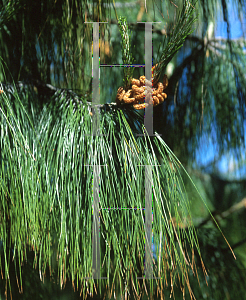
point(96, 168)
point(95, 226)
point(95, 80)
point(148, 223)
point(148, 118)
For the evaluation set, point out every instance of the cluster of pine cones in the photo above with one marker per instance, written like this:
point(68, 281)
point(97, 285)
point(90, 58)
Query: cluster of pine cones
point(142, 94)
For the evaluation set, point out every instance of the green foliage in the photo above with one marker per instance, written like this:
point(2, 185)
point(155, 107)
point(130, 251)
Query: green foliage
point(46, 194)
point(126, 52)
point(45, 187)
point(8, 9)
point(226, 276)
point(176, 38)
point(55, 47)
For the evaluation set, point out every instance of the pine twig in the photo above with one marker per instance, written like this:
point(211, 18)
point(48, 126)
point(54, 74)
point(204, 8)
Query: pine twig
point(175, 40)
point(126, 52)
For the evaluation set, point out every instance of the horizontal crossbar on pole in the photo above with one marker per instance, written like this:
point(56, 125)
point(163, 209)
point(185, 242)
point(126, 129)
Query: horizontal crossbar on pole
point(121, 65)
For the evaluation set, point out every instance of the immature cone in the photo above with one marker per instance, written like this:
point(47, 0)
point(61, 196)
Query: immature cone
point(141, 94)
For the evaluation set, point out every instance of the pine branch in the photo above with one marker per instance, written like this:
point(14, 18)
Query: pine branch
point(217, 215)
point(126, 52)
point(176, 39)
point(7, 12)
